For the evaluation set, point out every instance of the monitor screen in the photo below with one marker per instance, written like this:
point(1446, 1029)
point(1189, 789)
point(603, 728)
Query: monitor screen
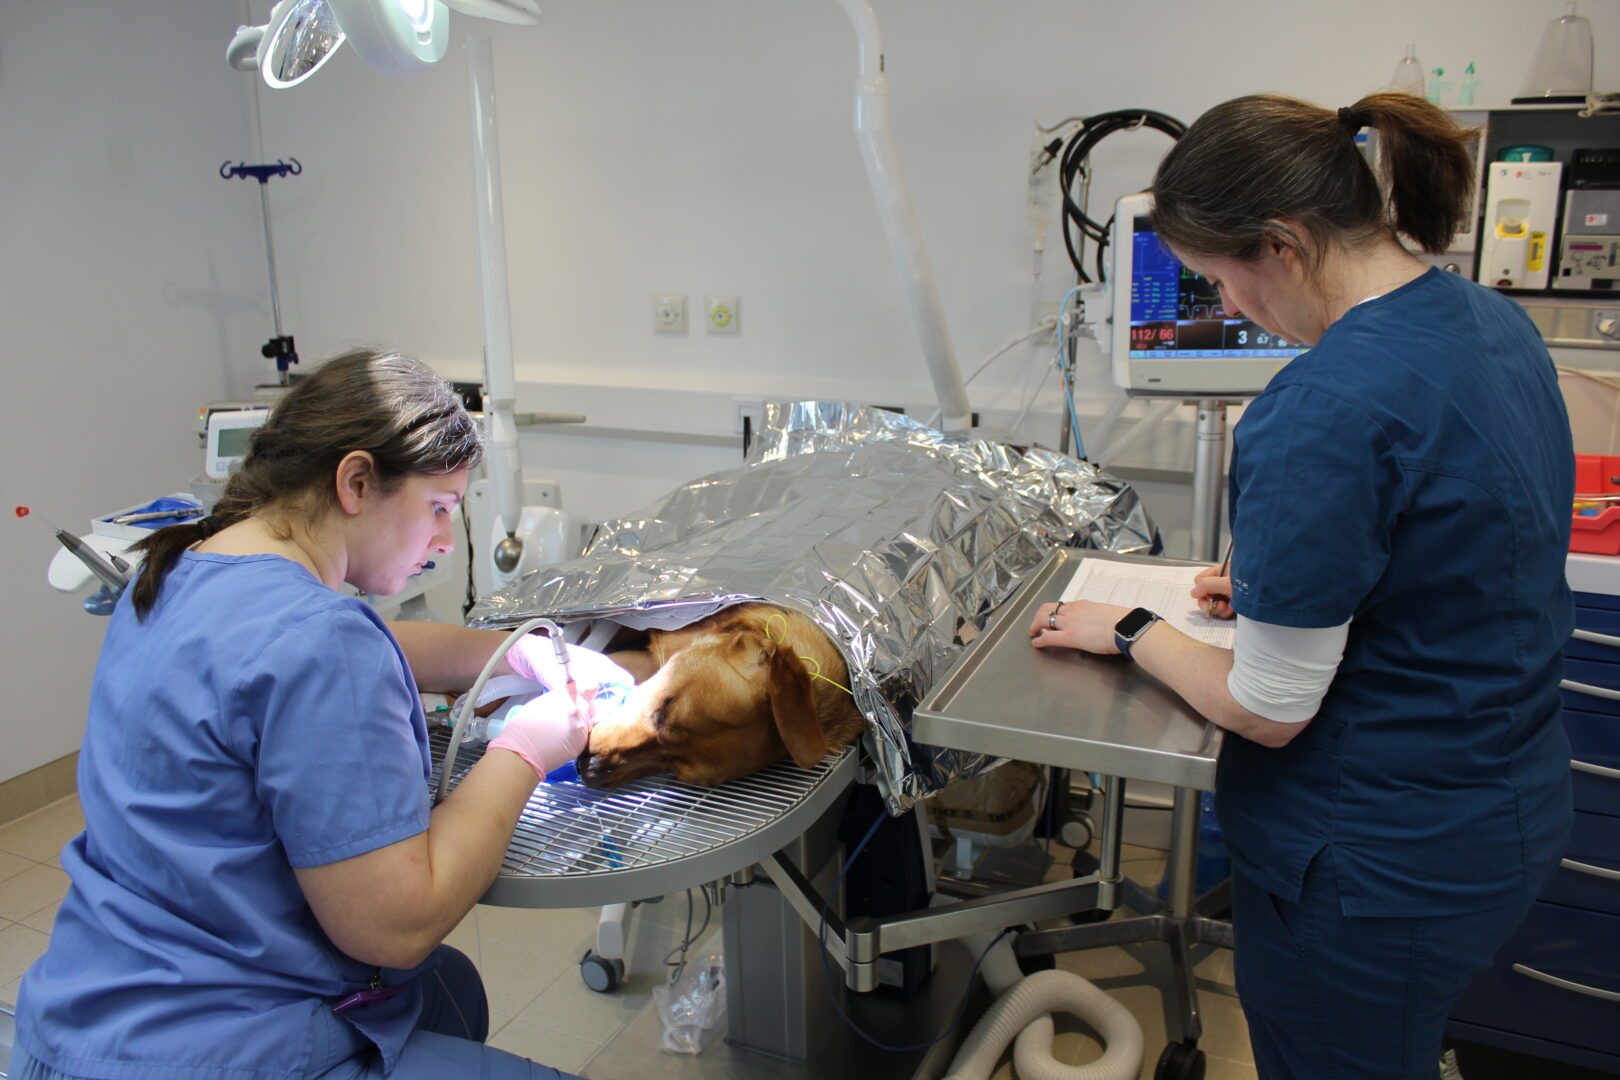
point(233, 442)
point(1170, 333)
point(1175, 313)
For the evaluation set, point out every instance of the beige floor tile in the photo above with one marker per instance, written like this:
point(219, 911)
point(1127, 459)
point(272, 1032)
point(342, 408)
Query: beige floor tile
point(1226, 1032)
point(41, 835)
point(36, 888)
point(512, 981)
point(520, 955)
point(19, 947)
point(569, 1005)
point(548, 1046)
point(1096, 964)
point(1222, 1069)
point(12, 865)
point(43, 920)
point(1215, 972)
point(8, 992)
point(520, 926)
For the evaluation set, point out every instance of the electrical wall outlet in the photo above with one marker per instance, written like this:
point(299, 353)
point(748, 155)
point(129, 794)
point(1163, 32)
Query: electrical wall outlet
point(669, 313)
point(751, 408)
point(725, 313)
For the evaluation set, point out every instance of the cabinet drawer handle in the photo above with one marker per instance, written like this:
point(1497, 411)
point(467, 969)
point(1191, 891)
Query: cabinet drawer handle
point(1565, 984)
point(1588, 868)
point(1595, 770)
point(1596, 638)
point(1591, 691)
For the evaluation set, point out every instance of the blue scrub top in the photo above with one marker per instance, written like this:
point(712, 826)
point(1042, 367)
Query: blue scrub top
point(256, 721)
point(1412, 473)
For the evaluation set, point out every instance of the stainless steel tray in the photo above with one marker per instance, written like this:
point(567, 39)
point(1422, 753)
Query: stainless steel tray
point(579, 847)
point(1098, 714)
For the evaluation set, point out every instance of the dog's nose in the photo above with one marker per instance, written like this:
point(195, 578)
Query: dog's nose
point(592, 769)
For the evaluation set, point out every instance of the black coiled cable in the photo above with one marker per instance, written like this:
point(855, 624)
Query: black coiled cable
point(1093, 130)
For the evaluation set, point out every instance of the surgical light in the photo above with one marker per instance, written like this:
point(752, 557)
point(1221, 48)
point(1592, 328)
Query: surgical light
point(395, 37)
point(301, 36)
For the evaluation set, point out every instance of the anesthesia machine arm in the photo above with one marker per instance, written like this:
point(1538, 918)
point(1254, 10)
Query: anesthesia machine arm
point(876, 138)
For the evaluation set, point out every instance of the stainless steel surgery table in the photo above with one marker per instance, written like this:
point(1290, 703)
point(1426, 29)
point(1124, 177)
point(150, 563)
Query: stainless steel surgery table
point(1097, 714)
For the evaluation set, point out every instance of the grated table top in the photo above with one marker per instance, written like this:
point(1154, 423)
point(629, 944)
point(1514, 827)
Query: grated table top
point(579, 847)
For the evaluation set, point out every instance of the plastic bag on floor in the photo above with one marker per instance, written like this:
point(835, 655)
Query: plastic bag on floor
point(694, 1008)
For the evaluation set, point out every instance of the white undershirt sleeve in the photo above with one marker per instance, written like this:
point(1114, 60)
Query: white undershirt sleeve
point(1283, 672)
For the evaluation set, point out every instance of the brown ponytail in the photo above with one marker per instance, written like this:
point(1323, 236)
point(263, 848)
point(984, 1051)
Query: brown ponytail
point(395, 408)
point(1250, 164)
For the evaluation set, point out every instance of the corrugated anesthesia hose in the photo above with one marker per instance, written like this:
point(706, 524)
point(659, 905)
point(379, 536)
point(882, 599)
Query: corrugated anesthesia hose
point(1023, 1012)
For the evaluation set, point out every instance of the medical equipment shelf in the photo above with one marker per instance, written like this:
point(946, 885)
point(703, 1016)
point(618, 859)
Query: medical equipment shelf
point(580, 847)
point(1093, 714)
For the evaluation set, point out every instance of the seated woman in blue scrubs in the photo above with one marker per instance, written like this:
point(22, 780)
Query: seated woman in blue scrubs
point(1395, 788)
point(262, 886)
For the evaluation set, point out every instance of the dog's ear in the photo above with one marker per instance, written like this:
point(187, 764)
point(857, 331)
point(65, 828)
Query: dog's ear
point(795, 712)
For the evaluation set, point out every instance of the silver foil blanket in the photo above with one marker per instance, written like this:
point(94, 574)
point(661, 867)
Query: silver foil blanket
point(899, 541)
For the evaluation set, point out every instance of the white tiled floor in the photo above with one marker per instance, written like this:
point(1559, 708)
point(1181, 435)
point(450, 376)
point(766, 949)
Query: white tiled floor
point(31, 886)
point(529, 959)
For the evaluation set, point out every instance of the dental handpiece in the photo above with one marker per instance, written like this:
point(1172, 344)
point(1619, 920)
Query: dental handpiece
point(109, 574)
point(560, 647)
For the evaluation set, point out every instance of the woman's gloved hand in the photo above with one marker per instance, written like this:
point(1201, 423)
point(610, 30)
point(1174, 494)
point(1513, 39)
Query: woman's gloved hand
point(549, 731)
point(534, 657)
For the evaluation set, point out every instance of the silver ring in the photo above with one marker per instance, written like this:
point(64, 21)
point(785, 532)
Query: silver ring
point(1051, 619)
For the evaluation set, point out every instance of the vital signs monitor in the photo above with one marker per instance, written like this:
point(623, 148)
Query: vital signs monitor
point(1170, 334)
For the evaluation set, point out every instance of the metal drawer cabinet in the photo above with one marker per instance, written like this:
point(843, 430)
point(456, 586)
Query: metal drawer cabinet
point(1591, 685)
point(1556, 979)
point(1598, 622)
point(1594, 742)
point(1589, 876)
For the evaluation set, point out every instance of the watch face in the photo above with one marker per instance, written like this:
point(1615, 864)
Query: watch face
point(1134, 623)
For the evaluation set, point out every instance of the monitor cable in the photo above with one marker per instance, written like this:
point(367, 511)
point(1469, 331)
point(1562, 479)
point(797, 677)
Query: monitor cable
point(1074, 164)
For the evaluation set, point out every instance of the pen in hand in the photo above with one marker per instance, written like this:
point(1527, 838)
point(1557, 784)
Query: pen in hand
point(1226, 567)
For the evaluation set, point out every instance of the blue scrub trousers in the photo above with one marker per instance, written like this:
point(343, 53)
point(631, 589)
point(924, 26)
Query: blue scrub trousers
point(1336, 997)
point(448, 1041)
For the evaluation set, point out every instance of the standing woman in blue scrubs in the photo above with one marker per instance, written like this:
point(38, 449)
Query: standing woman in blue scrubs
point(262, 887)
point(1395, 786)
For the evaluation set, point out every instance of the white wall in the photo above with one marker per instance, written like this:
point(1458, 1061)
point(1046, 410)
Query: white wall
point(131, 287)
point(705, 146)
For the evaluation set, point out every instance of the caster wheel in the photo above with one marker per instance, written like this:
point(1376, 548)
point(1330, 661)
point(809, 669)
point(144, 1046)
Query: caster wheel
point(1077, 833)
point(599, 973)
point(1180, 1061)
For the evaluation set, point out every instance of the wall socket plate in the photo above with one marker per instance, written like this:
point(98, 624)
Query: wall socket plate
point(753, 409)
point(669, 313)
point(724, 314)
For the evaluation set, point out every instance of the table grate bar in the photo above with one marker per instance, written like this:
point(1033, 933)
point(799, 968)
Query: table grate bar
point(569, 830)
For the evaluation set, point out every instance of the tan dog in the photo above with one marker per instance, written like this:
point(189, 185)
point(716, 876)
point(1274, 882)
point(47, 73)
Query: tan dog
point(723, 698)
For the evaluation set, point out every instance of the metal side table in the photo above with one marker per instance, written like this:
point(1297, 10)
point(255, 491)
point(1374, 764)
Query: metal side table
point(1102, 715)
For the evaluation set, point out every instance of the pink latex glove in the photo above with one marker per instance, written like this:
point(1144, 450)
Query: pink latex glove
point(549, 731)
point(534, 657)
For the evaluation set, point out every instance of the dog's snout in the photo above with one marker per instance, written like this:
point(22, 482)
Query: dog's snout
point(592, 768)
